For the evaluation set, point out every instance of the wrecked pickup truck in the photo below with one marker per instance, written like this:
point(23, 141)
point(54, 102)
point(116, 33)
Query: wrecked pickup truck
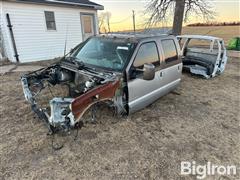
point(203, 55)
point(127, 72)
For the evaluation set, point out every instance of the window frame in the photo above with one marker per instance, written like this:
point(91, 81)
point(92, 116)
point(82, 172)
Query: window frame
point(158, 65)
point(177, 54)
point(46, 21)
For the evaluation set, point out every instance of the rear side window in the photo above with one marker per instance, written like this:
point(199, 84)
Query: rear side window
point(147, 53)
point(170, 50)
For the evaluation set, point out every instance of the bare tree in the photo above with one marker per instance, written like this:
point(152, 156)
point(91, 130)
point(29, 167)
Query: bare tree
point(159, 10)
point(104, 20)
point(108, 16)
point(101, 21)
point(178, 17)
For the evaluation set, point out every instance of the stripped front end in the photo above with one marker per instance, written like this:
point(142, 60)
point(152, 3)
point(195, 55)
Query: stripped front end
point(80, 89)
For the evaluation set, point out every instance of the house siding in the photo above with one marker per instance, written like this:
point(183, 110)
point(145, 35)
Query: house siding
point(5, 36)
point(34, 42)
point(1, 36)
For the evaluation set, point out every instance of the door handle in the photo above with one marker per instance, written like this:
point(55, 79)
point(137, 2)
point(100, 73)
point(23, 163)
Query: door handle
point(178, 68)
point(161, 74)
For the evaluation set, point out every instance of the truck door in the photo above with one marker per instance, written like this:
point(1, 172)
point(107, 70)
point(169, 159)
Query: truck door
point(171, 64)
point(143, 92)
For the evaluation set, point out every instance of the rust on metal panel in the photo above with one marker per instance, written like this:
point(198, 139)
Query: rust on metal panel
point(101, 93)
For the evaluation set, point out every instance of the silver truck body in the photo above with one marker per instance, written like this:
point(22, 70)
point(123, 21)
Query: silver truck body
point(167, 77)
point(123, 71)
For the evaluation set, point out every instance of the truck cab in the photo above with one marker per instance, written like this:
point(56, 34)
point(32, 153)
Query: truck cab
point(127, 72)
point(162, 53)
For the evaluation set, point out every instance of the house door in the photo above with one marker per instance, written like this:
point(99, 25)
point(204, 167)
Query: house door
point(87, 25)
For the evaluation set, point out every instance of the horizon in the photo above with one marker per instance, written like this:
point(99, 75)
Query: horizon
point(121, 16)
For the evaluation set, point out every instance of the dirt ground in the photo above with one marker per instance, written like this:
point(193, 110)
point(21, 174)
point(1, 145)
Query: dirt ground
point(199, 122)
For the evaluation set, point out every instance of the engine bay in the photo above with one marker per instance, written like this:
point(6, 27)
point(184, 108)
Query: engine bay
point(82, 88)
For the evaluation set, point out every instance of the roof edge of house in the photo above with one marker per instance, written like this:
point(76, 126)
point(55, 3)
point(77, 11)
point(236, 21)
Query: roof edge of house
point(61, 3)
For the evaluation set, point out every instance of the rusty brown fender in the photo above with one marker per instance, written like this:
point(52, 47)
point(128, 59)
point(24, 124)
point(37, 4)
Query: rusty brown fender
point(101, 93)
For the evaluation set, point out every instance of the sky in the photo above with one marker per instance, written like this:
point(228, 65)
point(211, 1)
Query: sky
point(121, 12)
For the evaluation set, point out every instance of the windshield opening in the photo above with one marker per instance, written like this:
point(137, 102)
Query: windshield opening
point(107, 53)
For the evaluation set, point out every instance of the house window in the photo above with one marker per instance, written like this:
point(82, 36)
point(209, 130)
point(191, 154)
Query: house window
point(50, 20)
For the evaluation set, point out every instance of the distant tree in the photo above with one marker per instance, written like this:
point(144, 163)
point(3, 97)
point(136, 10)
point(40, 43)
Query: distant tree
point(104, 20)
point(108, 17)
point(216, 24)
point(159, 11)
point(101, 21)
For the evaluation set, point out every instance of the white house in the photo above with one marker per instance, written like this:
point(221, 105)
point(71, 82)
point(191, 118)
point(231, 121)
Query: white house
point(42, 28)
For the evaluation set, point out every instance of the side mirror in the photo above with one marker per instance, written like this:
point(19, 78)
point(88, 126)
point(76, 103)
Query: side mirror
point(148, 72)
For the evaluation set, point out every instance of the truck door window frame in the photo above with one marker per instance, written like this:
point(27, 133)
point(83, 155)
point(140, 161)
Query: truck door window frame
point(174, 58)
point(156, 63)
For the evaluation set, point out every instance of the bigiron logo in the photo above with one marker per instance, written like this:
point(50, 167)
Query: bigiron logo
point(209, 169)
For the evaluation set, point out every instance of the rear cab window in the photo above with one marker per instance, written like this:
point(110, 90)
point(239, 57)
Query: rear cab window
point(202, 46)
point(169, 50)
point(199, 43)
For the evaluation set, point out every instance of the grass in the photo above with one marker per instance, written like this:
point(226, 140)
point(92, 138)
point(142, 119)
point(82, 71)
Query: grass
point(198, 122)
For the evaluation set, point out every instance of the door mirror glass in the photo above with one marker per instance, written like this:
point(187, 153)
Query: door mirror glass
point(148, 72)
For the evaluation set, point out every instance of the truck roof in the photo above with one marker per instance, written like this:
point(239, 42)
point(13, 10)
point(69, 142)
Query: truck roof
point(136, 37)
point(204, 37)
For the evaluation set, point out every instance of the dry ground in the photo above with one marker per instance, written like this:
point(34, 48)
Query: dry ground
point(199, 122)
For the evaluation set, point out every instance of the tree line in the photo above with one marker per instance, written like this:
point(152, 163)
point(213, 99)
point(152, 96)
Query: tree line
point(236, 23)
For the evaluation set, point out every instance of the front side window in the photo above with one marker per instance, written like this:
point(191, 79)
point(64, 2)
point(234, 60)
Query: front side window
point(170, 51)
point(106, 53)
point(147, 53)
point(50, 20)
